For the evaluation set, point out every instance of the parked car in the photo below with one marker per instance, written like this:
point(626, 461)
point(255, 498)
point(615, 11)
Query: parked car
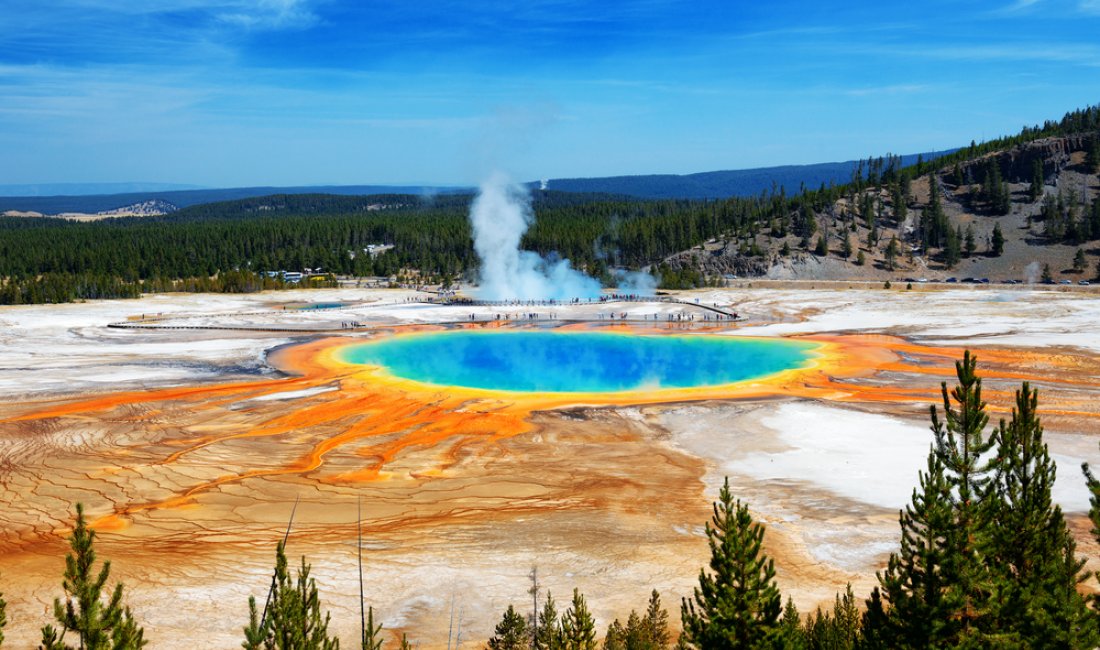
point(1084, 283)
point(1066, 282)
point(951, 280)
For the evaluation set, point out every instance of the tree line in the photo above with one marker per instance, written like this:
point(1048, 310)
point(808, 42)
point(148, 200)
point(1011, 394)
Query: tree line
point(55, 260)
point(986, 560)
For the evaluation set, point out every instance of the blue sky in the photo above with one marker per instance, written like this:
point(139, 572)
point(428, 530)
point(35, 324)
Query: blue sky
point(285, 92)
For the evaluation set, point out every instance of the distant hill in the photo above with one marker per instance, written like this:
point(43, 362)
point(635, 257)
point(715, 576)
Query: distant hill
point(68, 198)
point(720, 184)
point(96, 203)
point(85, 189)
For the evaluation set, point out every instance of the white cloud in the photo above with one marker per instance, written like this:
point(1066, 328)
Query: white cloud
point(1090, 6)
point(271, 14)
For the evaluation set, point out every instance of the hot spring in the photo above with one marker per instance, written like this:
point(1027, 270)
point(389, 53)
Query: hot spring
point(578, 362)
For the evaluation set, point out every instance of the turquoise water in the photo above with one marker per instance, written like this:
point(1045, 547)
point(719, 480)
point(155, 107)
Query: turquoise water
point(564, 362)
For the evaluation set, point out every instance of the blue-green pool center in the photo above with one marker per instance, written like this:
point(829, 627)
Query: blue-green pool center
point(578, 362)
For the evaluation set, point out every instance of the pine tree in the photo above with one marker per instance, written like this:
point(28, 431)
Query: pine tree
point(511, 633)
point(1047, 278)
point(891, 254)
point(549, 635)
point(861, 259)
point(615, 637)
point(1033, 555)
point(792, 636)
point(738, 604)
point(371, 633)
point(938, 587)
point(1035, 190)
point(578, 629)
point(969, 245)
point(960, 443)
point(910, 611)
point(1079, 262)
point(997, 247)
point(98, 624)
point(846, 247)
point(836, 630)
point(951, 252)
point(656, 623)
point(293, 620)
point(821, 248)
point(1093, 155)
point(1094, 219)
point(898, 199)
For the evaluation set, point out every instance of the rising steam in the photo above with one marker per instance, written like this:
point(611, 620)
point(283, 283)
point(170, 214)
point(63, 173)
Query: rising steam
point(500, 215)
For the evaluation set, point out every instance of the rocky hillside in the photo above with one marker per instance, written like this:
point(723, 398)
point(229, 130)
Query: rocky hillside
point(150, 208)
point(1005, 215)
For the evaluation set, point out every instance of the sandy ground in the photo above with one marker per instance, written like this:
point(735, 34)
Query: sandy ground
point(192, 491)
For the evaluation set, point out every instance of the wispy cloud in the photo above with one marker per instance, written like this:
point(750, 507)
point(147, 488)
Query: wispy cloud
point(272, 14)
point(892, 89)
point(1020, 5)
point(1090, 7)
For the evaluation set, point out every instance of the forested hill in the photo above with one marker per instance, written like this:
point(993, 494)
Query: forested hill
point(93, 203)
point(723, 184)
point(989, 209)
point(716, 184)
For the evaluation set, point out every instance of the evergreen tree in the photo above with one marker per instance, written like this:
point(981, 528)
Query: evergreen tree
point(838, 630)
point(656, 623)
point(997, 246)
point(1047, 278)
point(738, 604)
point(891, 255)
point(511, 633)
point(371, 638)
point(846, 247)
point(578, 629)
point(1033, 555)
point(821, 248)
point(1093, 156)
point(861, 259)
point(548, 636)
point(792, 636)
point(898, 200)
point(97, 623)
point(911, 610)
point(951, 252)
point(1079, 262)
point(292, 620)
point(938, 586)
point(615, 637)
point(1035, 190)
point(969, 245)
point(961, 444)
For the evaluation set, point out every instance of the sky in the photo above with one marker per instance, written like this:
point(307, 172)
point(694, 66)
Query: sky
point(226, 93)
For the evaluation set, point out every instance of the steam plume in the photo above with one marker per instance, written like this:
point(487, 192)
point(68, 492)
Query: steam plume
point(500, 215)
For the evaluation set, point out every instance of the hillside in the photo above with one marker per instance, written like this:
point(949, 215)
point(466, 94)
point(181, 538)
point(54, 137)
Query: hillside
point(704, 185)
point(99, 203)
point(1041, 225)
point(723, 184)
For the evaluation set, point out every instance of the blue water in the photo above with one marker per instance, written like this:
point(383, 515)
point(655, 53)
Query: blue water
point(563, 362)
point(321, 305)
